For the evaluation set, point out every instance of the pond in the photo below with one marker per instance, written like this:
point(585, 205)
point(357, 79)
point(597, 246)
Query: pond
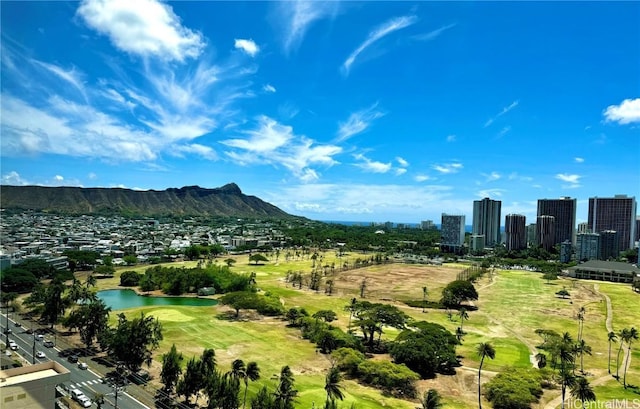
point(125, 299)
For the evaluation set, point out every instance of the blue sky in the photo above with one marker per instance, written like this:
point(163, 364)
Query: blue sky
point(363, 111)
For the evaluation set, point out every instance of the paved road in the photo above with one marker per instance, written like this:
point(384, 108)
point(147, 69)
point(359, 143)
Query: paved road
point(89, 381)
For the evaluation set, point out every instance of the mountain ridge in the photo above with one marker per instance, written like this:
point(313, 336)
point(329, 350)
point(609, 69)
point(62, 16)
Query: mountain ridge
point(227, 200)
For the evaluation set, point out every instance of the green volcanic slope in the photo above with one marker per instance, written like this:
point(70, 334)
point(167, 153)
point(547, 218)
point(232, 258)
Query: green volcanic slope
point(189, 200)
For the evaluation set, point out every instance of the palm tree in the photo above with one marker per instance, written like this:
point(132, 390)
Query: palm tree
point(582, 391)
point(633, 336)
point(623, 335)
point(251, 373)
point(612, 337)
point(332, 384)
point(98, 398)
point(583, 348)
point(463, 316)
point(459, 334)
point(565, 353)
point(431, 400)
point(581, 313)
point(285, 395)
point(483, 350)
point(424, 298)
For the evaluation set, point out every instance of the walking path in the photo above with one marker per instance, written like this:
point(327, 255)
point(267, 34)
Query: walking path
point(605, 378)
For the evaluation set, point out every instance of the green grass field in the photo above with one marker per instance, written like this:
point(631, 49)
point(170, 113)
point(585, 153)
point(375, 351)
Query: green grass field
point(511, 308)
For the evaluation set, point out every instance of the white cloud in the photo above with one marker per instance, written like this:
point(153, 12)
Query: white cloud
point(516, 176)
point(295, 17)
point(503, 131)
point(371, 166)
point(13, 178)
point(70, 76)
point(92, 176)
point(627, 112)
point(373, 202)
point(402, 161)
point(400, 171)
point(491, 177)
point(499, 114)
point(142, 27)
point(490, 193)
point(579, 160)
point(448, 167)
point(422, 178)
point(205, 152)
point(451, 138)
point(269, 88)
point(248, 46)
point(379, 32)
point(433, 34)
point(358, 122)
point(565, 177)
point(276, 144)
point(58, 178)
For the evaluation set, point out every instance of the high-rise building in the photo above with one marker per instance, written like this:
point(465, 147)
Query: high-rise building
point(564, 212)
point(427, 225)
point(609, 241)
point(486, 220)
point(515, 232)
point(477, 243)
point(452, 231)
point(583, 228)
point(587, 246)
point(545, 231)
point(531, 235)
point(638, 229)
point(566, 248)
point(614, 213)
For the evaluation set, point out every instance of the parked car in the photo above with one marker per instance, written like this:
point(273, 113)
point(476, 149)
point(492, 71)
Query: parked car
point(73, 358)
point(17, 324)
point(40, 355)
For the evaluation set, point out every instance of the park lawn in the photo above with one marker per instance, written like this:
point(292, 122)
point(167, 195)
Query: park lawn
point(613, 392)
point(267, 341)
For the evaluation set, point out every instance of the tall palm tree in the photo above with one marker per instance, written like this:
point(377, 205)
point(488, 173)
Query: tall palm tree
point(424, 298)
point(332, 384)
point(612, 337)
point(483, 350)
point(431, 400)
point(583, 348)
point(633, 336)
point(463, 316)
point(285, 395)
point(564, 351)
point(582, 391)
point(581, 313)
point(623, 335)
point(251, 373)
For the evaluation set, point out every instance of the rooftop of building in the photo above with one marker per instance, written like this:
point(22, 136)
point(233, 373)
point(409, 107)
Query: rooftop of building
point(15, 376)
point(600, 265)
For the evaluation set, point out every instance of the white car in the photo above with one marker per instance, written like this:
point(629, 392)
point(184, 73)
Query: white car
point(83, 365)
point(13, 346)
point(40, 355)
point(84, 401)
point(39, 337)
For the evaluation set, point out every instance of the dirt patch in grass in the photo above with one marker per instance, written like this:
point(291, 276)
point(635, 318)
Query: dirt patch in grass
point(392, 282)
